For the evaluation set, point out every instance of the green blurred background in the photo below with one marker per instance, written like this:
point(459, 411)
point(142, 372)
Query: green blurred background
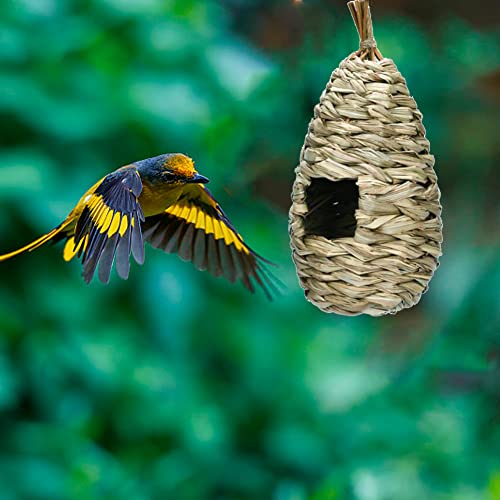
point(177, 385)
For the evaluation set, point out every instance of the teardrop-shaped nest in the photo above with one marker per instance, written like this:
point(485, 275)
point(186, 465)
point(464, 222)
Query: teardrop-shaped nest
point(365, 222)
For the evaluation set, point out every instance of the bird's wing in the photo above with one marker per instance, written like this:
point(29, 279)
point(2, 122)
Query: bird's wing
point(196, 228)
point(109, 226)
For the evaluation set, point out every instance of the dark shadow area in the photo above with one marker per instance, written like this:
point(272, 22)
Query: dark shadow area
point(331, 208)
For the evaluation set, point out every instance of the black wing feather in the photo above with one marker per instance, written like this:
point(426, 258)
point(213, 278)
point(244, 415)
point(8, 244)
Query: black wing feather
point(122, 258)
point(106, 260)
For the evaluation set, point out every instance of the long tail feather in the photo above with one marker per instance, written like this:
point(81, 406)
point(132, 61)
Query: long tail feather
point(37, 243)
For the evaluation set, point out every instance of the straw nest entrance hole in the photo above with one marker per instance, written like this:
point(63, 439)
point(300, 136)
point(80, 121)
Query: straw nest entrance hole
point(331, 208)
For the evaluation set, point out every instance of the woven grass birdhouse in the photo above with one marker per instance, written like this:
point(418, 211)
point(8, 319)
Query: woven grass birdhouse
point(365, 222)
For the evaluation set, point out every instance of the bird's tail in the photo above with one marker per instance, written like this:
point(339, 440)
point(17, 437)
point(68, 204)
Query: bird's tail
point(38, 242)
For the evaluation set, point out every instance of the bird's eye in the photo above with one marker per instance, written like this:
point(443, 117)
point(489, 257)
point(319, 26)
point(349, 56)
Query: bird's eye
point(169, 176)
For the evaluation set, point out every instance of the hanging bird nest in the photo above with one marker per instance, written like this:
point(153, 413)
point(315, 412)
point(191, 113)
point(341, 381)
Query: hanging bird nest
point(365, 222)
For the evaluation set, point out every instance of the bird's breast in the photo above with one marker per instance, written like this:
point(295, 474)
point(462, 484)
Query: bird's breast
point(155, 198)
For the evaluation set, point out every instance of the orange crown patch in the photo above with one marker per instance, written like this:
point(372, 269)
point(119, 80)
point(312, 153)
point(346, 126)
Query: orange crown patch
point(180, 164)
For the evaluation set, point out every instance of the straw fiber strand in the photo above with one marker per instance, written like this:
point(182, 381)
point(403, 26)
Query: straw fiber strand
point(368, 128)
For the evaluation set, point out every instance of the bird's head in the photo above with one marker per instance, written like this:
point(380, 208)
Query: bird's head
point(172, 168)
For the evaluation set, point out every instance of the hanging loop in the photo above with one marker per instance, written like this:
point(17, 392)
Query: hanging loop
point(361, 14)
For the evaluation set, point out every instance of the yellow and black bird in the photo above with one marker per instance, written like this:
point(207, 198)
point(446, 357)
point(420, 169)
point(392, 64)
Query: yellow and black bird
point(164, 201)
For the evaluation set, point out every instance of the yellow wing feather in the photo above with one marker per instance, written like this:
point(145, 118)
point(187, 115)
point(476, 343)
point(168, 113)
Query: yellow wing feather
point(70, 249)
point(194, 214)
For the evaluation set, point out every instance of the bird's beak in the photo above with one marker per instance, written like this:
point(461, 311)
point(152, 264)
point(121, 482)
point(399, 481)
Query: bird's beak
point(198, 179)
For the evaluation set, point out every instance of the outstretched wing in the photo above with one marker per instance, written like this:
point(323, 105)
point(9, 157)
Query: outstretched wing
point(196, 228)
point(109, 226)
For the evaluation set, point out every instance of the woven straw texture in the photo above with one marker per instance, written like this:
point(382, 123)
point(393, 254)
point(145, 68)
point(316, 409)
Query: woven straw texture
point(368, 128)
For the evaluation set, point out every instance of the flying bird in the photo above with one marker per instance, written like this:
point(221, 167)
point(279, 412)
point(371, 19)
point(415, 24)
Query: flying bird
point(164, 201)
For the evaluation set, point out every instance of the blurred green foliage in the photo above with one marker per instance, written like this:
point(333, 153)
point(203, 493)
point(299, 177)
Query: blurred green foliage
point(177, 385)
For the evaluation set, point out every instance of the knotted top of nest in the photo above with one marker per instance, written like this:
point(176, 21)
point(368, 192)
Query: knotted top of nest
point(362, 16)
